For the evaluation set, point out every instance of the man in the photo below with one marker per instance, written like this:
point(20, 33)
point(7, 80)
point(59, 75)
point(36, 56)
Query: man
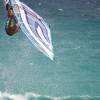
point(12, 26)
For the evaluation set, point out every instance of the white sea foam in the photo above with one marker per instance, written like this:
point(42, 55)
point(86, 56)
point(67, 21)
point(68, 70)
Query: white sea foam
point(33, 96)
point(11, 96)
point(60, 9)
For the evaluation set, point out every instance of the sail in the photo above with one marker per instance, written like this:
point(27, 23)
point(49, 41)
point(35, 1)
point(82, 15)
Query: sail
point(34, 27)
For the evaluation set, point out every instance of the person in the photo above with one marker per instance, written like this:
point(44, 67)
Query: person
point(12, 26)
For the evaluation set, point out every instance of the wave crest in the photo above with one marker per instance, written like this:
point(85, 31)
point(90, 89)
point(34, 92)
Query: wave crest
point(33, 96)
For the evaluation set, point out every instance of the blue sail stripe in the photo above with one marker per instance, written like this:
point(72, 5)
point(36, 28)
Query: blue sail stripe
point(38, 34)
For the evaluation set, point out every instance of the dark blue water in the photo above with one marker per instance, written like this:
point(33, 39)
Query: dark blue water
point(26, 74)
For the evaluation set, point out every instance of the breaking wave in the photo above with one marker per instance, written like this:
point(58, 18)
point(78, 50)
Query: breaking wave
point(33, 96)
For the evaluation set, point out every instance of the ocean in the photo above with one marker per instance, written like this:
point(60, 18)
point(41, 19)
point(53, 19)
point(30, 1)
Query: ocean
point(26, 74)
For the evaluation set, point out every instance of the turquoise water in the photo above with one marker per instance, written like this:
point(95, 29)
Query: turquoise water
point(26, 74)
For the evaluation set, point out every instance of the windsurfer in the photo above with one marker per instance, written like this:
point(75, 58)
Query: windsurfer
point(12, 26)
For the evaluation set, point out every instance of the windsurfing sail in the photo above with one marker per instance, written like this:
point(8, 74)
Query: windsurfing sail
point(34, 27)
